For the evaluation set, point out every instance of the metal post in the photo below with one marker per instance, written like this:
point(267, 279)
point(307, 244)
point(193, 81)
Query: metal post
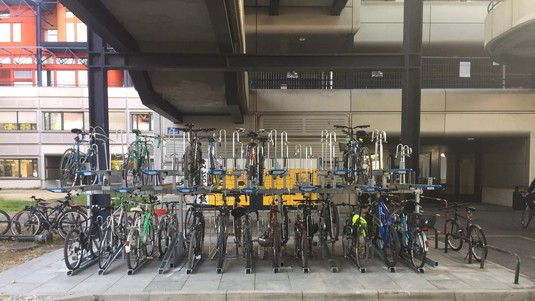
point(39, 53)
point(411, 80)
point(98, 103)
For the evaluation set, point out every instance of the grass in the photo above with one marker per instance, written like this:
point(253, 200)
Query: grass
point(16, 205)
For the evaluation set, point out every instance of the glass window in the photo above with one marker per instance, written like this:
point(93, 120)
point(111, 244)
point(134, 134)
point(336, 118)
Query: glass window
point(82, 78)
point(116, 121)
point(18, 168)
point(22, 74)
point(142, 121)
point(81, 32)
point(70, 32)
point(59, 121)
point(51, 35)
point(69, 14)
point(22, 121)
point(65, 78)
point(4, 13)
point(5, 32)
point(17, 33)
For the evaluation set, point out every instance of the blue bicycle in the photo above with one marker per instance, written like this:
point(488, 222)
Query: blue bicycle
point(413, 239)
point(384, 232)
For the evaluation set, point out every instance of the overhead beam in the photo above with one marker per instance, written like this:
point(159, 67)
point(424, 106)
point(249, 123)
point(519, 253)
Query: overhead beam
point(274, 7)
point(337, 6)
point(250, 62)
point(99, 19)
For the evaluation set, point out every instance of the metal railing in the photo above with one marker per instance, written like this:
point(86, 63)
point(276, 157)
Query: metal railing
point(493, 4)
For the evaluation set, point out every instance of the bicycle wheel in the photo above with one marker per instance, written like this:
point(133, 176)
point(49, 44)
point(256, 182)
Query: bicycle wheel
point(94, 240)
point(275, 247)
point(390, 246)
point(149, 240)
point(350, 163)
point(71, 219)
point(526, 216)
point(360, 241)
point(129, 166)
point(73, 250)
point(68, 167)
point(189, 166)
point(418, 248)
point(191, 249)
point(144, 164)
point(285, 226)
point(304, 250)
point(221, 239)
point(334, 218)
point(107, 246)
point(164, 239)
point(25, 223)
point(455, 235)
point(89, 162)
point(133, 250)
point(5, 222)
point(479, 242)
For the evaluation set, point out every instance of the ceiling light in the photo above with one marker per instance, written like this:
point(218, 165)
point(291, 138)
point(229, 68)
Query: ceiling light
point(470, 138)
point(301, 39)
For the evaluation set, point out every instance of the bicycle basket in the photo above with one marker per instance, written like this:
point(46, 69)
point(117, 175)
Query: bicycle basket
point(428, 221)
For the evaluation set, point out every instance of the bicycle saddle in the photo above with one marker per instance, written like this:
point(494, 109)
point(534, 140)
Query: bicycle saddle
point(76, 131)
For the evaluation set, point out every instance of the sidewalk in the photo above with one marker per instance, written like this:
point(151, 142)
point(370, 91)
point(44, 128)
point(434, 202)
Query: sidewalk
point(25, 194)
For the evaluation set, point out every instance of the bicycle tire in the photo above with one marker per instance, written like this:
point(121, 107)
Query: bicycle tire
point(90, 158)
point(360, 242)
point(191, 249)
point(134, 252)
point(526, 216)
point(129, 166)
point(248, 243)
point(479, 242)
point(285, 226)
point(334, 218)
point(144, 164)
point(304, 250)
point(94, 240)
point(164, 240)
point(26, 223)
point(68, 167)
point(149, 240)
point(107, 246)
point(275, 248)
point(418, 249)
point(221, 239)
point(390, 247)
point(70, 219)
point(364, 166)
point(73, 250)
point(455, 235)
point(5, 222)
point(350, 163)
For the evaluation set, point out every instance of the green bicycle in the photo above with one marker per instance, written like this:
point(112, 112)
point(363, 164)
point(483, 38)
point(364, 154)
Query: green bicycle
point(137, 159)
point(140, 243)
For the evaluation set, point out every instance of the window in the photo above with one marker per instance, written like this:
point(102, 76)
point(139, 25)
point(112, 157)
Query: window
point(116, 121)
point(17, 32)
point(5, 32)
point(60, 121)
point(142, 121)
point(70, 32)
point(4, 14)
point(51, 35)
point(81, 32)
point(18, 168)
point(18, 121)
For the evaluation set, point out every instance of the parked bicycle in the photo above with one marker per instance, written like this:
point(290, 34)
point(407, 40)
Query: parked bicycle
point(82, 243)
point(470, 232)
point(193, 161)
point(140, 242)
point(383, 231)
point(243, 236)
point(273, 237)
point(356, 241)
point(253, 155)
point(168, 227)
point(194, 232)
point(413, 240)
point(304, 229)
point(114, 232)
point(137, 159)
point(356, 157)
point(5, 222)
point(82, 156)
point(329, 224)
point(61, 218)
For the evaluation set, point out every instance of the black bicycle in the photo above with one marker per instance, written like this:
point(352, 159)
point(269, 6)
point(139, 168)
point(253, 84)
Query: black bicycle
point(357, 159)
point(473, 233)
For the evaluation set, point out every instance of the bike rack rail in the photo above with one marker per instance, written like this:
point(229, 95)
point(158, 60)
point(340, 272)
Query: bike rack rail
point(517, 266)
point(118, 250)
point(88, 261)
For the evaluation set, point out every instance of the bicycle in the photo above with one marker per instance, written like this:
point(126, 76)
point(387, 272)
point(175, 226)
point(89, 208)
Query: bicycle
point(140, 241)
point(356, 242)
point(242, 232)
point(5, 222)
point(221, 224)
point(167, 228)
point(384, 235)
point(356, 157)
point(413, 239)
point(253, 156)
point(82, 244)
point(114, 233)
point(273, 237)
point(304, 231)
point(329, 224)
point(193, 161)
point(194, 232)
point(137, 159)
point(527, 214)
point(61, 218)
point(75, 160)
point(456, 234)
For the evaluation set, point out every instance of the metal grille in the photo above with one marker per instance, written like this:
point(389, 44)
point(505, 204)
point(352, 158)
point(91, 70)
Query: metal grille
point(437, 73)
